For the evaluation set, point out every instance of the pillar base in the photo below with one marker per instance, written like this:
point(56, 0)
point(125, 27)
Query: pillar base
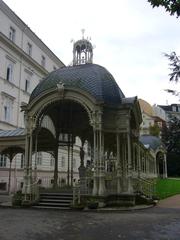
point(95, 187)
point(102, 189)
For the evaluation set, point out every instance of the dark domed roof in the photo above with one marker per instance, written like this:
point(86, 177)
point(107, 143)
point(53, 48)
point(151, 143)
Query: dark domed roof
point(92, 78)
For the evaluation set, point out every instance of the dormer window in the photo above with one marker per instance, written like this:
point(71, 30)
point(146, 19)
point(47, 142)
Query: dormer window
point(12, 33)
point(43, 60)
point(29, 49)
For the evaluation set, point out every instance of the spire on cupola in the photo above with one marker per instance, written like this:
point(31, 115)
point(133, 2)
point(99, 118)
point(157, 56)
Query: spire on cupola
point(82, 51)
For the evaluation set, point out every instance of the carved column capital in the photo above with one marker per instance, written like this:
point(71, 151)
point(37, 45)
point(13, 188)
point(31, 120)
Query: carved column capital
point(30, 124)
point(60, 89)
point(96, 119)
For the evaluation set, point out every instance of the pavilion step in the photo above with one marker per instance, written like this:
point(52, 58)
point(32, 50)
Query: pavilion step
point(55, 200)
point(50, 207)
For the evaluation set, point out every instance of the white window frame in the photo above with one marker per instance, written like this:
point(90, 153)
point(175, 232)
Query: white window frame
point(9, 72)
point(3, 161)
point(7, 107)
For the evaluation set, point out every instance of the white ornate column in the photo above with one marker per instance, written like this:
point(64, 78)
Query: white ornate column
point(101, 190)
point(129, 168)
point(30, 125)
point(35, 160)
point(164, 167)
point(118, 164)
point(99, 176)
point(95, 177)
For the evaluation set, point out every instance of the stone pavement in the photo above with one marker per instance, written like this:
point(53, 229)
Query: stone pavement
point(171, 202)
point(158, 223)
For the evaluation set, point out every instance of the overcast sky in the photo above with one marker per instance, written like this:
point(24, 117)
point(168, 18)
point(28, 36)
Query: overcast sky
point(129, 37)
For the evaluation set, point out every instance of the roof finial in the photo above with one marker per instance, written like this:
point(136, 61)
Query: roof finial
point(83, 31)
point(82, 51)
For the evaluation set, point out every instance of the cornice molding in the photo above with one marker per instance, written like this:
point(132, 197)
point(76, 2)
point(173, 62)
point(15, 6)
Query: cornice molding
point(22, 54)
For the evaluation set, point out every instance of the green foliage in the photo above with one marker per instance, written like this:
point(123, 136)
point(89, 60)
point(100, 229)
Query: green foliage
point(171, 135)
point(92, 203)
point(17, 199)
point(174, 63)
point(171, 6)
point(167, 187)
point(173, 164)
point(154, 130)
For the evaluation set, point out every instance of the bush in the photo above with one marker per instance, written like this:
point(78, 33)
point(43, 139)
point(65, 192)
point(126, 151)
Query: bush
point(17, 199)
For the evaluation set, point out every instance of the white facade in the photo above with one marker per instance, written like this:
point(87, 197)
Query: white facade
point(159, 112)
point(146, 123)
point(24, 61)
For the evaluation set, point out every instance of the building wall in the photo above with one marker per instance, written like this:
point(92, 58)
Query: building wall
point(21, 53)
point(21, 69)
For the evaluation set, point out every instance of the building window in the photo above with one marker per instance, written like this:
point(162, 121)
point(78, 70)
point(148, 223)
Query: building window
point(74, 163)
point(27, 85)
point(39, 158)
point(12, 33)
point(27, 82)
point(9, 72)
point(43, 61)
point(174, 108)
point(7, 107)
point(22, 160)
point(7, 112)
point(3, 161)
point(3, 186)
point(52, 161)
point(63, 162)
point(29, 49)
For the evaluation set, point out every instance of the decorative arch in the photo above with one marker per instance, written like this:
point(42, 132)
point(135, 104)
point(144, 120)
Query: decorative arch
point(37, 107)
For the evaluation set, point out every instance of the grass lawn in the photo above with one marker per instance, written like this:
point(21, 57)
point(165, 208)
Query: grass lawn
point(167, 187)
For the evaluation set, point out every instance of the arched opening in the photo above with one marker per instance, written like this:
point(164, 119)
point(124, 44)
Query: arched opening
point(160, 164)
point(64, 132)
point(9, 158)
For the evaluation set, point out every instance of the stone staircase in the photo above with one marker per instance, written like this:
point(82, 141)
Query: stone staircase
point(53, 200)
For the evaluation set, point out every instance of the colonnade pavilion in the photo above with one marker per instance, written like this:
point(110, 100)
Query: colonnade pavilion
point(84, 100)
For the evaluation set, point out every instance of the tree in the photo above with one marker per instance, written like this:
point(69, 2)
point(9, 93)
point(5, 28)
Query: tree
point(154, 130)
point(171, 139)
point(171, 6)
point(175, 70)
point(171, 135)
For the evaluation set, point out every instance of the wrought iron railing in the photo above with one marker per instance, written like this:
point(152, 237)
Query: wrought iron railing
point(144, 186)
point(76, 194)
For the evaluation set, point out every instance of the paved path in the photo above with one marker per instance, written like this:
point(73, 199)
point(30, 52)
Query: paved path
point(171, 202)
point(158, 223)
